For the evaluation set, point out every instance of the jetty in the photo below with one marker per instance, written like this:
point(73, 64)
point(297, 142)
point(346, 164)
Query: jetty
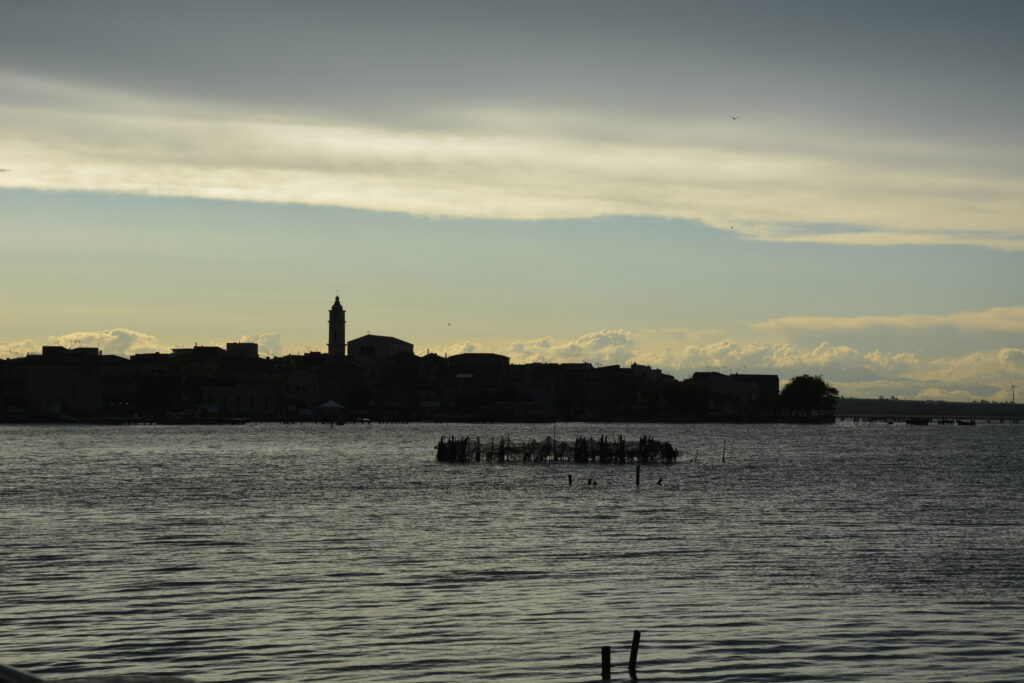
point(582, 450)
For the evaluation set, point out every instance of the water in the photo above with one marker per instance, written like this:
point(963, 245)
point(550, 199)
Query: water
point(304, 552)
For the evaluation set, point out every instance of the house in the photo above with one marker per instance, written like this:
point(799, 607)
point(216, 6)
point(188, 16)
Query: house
point(54, 382)
point(372, 347)
point(738, 394)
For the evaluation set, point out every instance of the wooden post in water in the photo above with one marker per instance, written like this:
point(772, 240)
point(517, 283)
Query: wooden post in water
point(606, 662)
point(570, 480)
point(638, 475)
point(632, 654)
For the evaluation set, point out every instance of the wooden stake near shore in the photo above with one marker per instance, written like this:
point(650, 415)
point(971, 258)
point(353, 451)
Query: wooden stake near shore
point(582, 450)
point(633, 653)
point(606, 658)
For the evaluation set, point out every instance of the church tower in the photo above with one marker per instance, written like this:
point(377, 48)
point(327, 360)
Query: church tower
point(336, 330)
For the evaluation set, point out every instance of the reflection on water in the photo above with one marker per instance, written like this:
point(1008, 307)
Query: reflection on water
point(303, 552)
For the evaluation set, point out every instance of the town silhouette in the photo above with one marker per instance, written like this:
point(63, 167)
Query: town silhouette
point(377, 377)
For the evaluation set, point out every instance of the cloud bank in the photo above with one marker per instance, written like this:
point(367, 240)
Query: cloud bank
point(998, 319)
point(981, 375)
point(269, 343)
point(607, 347)
point(124, 342)
point(17, 349)
point(117, 342)
point(763, 180)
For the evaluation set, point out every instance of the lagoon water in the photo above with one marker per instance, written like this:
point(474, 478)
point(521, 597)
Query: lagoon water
point(307, 552)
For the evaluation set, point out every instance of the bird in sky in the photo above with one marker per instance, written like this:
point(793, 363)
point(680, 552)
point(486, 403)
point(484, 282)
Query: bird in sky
point(733, 117)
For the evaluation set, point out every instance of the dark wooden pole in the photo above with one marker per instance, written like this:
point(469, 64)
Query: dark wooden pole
point(638, 475)
point(632, 653)
point(606, 662)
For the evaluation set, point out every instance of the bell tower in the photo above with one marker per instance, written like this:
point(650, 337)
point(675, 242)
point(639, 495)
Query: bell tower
point(336, 330)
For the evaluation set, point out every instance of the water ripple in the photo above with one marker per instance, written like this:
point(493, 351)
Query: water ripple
point(294, 552)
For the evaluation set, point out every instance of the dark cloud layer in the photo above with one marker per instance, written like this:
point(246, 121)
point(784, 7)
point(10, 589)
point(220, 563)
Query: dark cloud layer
point(919, 68)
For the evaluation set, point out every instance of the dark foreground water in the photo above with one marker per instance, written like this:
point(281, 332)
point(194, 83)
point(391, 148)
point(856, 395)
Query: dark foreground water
point(301, 553)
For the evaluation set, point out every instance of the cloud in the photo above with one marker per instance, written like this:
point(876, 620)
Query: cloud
point(768, 182)
point(460, 347)
point(118, 342)
point(125, 342)
point(839, 362)
point(607, 347)
point(919, 390)
point(904, 360)
point(1012, 360)
point(928, 335)
point(269, 342)
point(856, 372)
point(998, 319)
point(17, 349)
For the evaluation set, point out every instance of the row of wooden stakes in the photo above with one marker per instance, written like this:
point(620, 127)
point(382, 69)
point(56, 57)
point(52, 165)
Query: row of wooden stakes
point(583, 450)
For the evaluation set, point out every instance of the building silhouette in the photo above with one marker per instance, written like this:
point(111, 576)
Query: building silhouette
point(55, 381)
point(374, 347)
point(373, 376)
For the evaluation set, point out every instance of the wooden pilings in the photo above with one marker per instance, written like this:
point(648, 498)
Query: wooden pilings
point(606, 658)
point(582, 450)
point(634, 648)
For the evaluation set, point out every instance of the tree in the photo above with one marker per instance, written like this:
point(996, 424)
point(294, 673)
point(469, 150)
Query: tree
point(809, 395)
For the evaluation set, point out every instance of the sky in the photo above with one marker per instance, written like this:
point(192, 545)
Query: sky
point(785, 186)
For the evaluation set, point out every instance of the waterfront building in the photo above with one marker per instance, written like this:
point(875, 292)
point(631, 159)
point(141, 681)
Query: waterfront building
point(58, 381)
